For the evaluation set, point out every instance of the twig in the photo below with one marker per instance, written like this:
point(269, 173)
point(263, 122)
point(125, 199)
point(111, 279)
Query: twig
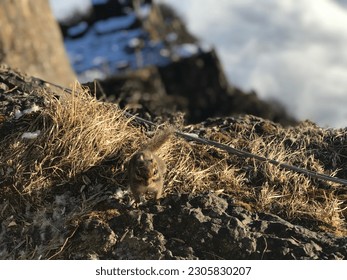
point(264, 251)
point(62, 247)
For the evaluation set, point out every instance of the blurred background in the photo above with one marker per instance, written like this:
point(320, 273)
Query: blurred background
point(293, 52)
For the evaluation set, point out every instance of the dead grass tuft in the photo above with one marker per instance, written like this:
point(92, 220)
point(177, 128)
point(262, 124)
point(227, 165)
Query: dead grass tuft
point(76, 133)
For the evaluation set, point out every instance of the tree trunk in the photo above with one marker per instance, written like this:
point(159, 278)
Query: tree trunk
point(30, 40)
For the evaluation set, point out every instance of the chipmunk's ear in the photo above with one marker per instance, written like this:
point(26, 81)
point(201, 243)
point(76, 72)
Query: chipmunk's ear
point(141, 157)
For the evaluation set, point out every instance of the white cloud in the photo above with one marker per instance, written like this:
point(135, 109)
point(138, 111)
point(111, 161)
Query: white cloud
point(291, 50)
point(63, 9)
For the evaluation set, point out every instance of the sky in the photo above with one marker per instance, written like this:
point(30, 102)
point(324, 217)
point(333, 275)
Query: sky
point(291, 51)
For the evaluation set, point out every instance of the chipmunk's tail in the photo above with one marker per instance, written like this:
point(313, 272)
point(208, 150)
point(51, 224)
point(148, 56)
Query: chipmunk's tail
point(159, 139)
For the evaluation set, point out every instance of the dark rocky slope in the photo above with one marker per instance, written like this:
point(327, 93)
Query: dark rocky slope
point(89, 217)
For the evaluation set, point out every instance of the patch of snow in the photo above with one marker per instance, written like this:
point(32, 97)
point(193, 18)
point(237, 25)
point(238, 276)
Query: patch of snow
point(134, 43)
point(114, 24)
point(171, 37)
point(186, 50)
point(18, 113)
point(165, 52)
point(119, 194)
point(65, 9)
point(34, 108)
point(91, 75)
point(144, 11)
point(31, 135)
point(99, 60)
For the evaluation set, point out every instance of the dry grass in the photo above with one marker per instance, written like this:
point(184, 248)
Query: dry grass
point(259, 185)
point(79, 134)
point(293, 196)
point(76, 133)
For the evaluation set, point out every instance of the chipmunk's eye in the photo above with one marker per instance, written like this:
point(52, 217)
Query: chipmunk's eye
point(155, 172)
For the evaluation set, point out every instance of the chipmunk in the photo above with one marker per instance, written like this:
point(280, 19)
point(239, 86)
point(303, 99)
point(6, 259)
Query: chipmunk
point(146, 170)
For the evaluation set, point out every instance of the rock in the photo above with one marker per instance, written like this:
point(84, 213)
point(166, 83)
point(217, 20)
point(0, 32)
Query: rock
point(33, 44)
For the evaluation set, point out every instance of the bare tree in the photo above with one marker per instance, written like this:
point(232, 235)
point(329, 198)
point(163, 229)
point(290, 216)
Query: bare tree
point(30, 40)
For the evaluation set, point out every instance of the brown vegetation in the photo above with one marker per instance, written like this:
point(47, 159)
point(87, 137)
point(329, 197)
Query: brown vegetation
point(84, 142)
